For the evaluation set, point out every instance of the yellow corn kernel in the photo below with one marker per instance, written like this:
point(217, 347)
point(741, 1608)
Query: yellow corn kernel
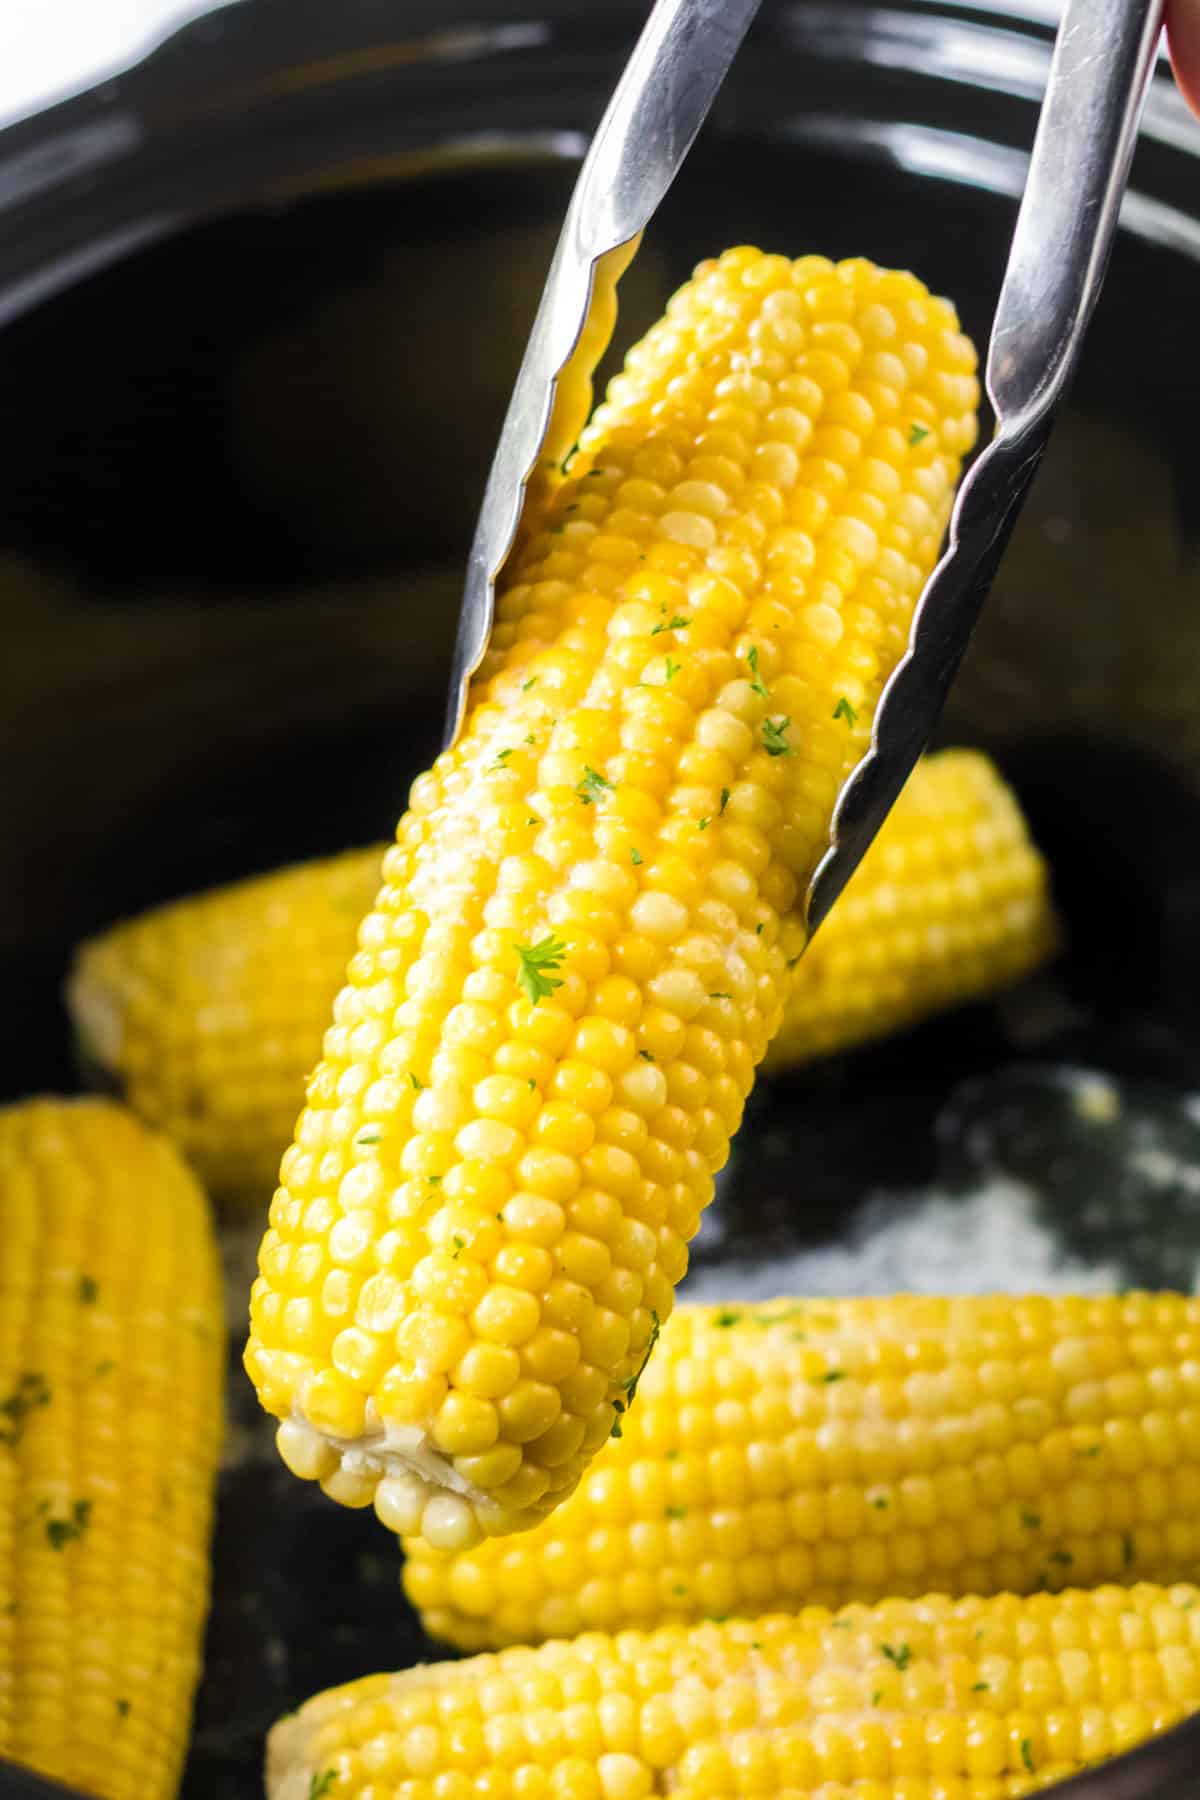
point(112, 1340)
point(977, 1698)
point(792, 1452)
point(209, 1011)
point(951, 902)
point(644, 779)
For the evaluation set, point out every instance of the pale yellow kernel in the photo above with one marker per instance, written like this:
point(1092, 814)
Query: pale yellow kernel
point(399, 1503)
point(306, 1453)
point(465, 1425)
point(448, 1523)
point(506, 1316)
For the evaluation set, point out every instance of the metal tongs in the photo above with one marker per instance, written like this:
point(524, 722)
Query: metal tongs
point(1078, 169)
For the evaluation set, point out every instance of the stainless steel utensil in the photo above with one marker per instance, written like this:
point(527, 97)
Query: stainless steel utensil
point(1079, 165)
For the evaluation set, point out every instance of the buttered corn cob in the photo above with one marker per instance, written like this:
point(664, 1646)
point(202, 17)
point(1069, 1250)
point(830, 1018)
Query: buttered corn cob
point(210, 1011)
point(930, 1699)
point(951, 902)
point(111, 1359)
point(828, 1451)
point(578, 954)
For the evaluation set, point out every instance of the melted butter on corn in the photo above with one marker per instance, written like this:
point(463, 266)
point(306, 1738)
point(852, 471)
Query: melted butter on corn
point(824, 1451)
point(209, 1011)
point(931, 1699)
point(580, 951)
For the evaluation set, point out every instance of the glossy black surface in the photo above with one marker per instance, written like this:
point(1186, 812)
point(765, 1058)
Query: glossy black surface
point(239, 478)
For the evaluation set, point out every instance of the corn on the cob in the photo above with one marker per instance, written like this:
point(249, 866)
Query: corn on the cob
point(201, 1013)
point(930, 1699)
point(952, 901)
point(209, 1012)
point(578, 956)
point(111, 1357)
point(828, 1451)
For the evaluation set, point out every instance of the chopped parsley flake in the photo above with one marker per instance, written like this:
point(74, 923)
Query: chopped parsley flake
point(460, 1245)
point(832, 1375)
point(526, 685)
point(674, 623)
point(877, 1696)
point(724, 799)
point(758, 930)
point(635, 857)
point(844, 710)
point(679, 1589)
point(704, 824)
point(88, 1291)
point(1089, 1450)
point(1063, 1557)
point(1031, 1521)
point(418, 1084)
point(646, 1055)
point(1027, 1754)
point(536, 966)
point(758, 685)
point(531, 741)
point(593, 783)
point(720, 996)
point(725, 1319)
point(1128, 1550)
point(371, 1135)
point(774, 737)
point(673, 1456)
point(434, 1180)
point(532, 1085)
point(320, 1785)
point(880, 1502)
point(105, 1367)
point(31, 1391)
point(61, 1532)
point(899, 1655)
point(676, 1512)
point(673, 669)
point(917, 433)
point(501, 758)
point(981, 1687)
point(123, 1708)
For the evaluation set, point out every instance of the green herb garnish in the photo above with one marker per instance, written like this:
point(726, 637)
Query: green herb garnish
point(30, 1392)
point(61, 1532)
point(844, 710)
point(774, 737)
point(593, 783)
point(758, 685)
point(536, 966)
point(917, 433)
point(899, 1655)
point(675, 623)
